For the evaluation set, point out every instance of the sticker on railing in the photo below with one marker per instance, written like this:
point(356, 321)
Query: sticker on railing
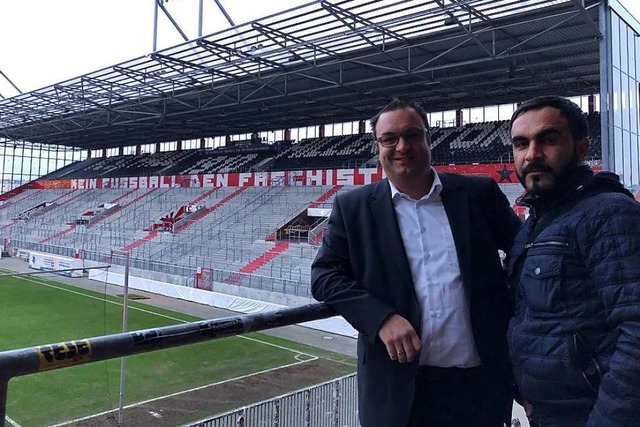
point(221, 328)
point(64, 354)
point(153, 337)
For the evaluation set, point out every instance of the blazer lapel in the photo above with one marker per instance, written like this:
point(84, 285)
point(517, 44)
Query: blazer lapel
point(387, 225)
point(456, 204)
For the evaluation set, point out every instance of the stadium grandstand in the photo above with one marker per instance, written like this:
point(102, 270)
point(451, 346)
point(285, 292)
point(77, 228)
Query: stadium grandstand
point(214, 163)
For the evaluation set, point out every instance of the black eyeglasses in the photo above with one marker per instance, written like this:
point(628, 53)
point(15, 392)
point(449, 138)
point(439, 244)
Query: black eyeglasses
point(410, 136)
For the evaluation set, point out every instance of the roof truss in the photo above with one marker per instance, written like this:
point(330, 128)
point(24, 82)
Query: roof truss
point(319, 63)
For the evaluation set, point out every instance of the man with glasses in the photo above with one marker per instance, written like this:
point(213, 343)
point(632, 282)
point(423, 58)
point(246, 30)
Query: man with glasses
point(412, 263)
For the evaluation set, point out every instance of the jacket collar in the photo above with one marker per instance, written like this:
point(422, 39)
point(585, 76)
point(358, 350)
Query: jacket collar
point(435, 190)
point(387, 225)
point(577, 181)
point(570, 182)
point(456, 205)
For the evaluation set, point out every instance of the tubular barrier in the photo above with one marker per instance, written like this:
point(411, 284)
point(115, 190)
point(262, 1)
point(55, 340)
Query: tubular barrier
point(36, 359)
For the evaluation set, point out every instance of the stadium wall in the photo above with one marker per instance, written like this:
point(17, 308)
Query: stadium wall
point(336, 325)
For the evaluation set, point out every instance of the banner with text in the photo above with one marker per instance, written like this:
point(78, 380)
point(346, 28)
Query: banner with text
point(502, 173)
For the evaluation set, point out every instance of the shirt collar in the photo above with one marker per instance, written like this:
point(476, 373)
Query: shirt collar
point(434, 191)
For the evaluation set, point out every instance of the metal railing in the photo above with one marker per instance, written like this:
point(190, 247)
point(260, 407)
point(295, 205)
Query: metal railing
point(333, 403)
point(317, 229)
point(281, 285)
point(32, 360)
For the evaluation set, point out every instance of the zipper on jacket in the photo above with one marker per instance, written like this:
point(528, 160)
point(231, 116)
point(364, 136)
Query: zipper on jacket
point(537, 244)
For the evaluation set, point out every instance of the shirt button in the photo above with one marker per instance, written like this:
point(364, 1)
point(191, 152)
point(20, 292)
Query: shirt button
point(537, 271)
point(423, 229)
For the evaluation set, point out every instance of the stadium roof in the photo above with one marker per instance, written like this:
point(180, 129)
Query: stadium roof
point(323, 62)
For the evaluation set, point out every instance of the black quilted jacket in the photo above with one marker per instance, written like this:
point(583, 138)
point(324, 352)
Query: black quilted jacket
point(575, 337)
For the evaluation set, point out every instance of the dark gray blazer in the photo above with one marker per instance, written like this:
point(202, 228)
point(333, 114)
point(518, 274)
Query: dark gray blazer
point(362, 271)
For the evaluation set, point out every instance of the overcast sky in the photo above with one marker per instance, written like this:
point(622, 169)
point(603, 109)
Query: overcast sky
point(43, 42)
point(48, 41)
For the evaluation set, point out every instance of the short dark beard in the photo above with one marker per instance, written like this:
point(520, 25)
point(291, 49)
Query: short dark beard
point(536, 166)
point(557, 177)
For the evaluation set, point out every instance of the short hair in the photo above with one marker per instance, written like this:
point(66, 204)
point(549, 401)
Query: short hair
point(570, 110)
point(399, 104)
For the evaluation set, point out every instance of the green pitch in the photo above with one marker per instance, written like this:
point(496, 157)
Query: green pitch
point(36, 311)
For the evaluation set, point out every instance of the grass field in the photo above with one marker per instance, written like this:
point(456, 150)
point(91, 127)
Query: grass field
point(37, 311)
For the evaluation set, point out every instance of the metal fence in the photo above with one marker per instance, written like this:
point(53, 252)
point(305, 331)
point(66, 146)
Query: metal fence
point(331, 404)
point(32, 360)
point(253, 281)
point(43, 247)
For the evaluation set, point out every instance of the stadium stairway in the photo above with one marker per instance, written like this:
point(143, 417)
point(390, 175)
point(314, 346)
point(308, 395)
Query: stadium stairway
point(317, 239)
point(90, 236)
point(326, 196)
point(255, 264)
point(70, 199)
point(123, 206)
point(122, 196)
point(66, 202)
point(30, 196)
point(204, 195)
point(271, 237)
point(319, 236)
point(65, 195)
point(11, 224)
point(206, 212)
point(153, 234)
point(12, 202)
point(59, 233)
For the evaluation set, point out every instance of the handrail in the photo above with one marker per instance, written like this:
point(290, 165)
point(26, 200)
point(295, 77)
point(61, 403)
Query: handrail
point(31, 360)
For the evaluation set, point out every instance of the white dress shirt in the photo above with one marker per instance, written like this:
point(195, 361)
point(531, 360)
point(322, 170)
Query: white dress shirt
point(447, 338)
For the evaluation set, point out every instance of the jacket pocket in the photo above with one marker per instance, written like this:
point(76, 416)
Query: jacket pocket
point(583, 357)
point(541, 282)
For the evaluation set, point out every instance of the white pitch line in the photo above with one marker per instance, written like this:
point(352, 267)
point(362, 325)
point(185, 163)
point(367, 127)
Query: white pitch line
point(144, 402)
point(183, 321)
point(298, 353)
point(278, 346)
point(12, 422)
point(158, 314)
point(300, 359)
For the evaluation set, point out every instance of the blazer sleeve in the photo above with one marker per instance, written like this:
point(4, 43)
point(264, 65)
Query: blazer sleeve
point(504, 224)
point(333, 280)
